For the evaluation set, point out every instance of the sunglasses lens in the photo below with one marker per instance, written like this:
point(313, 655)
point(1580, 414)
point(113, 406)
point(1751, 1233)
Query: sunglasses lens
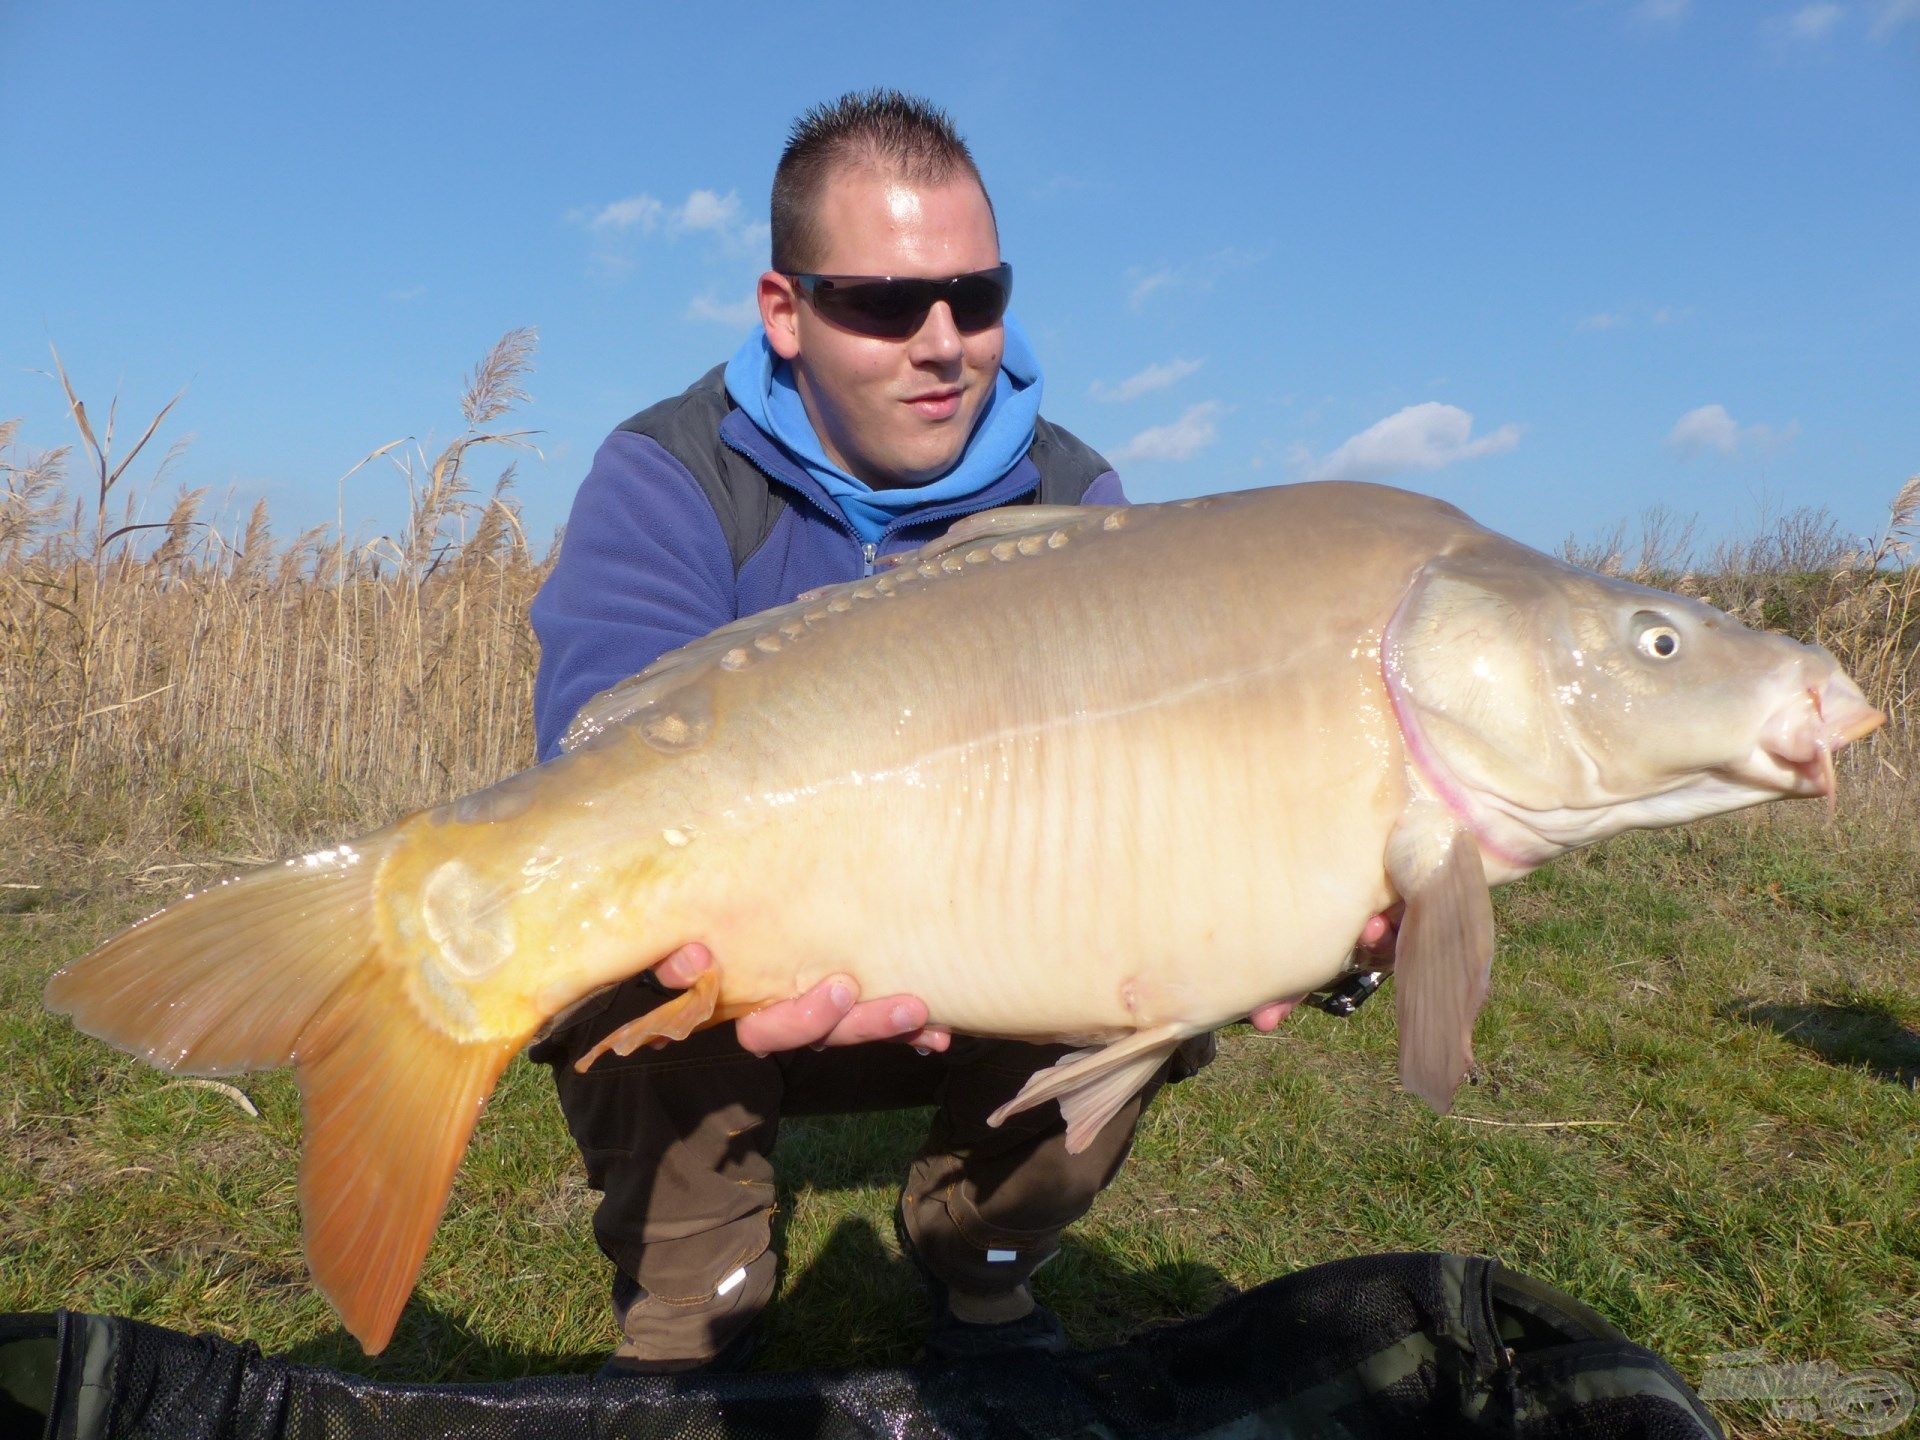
point(980, 300)
point(891, 309)
point(894, 309)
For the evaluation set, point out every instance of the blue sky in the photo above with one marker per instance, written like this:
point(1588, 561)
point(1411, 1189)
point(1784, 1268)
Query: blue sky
point(1557, 262)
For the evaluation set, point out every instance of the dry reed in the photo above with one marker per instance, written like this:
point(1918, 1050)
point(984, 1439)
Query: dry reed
point(210, 674)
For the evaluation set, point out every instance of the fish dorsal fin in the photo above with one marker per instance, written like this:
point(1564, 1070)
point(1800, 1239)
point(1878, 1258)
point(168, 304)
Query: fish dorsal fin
point(1443, 957)
point(677, 669)
point(1027, 528)
point(1011, 522)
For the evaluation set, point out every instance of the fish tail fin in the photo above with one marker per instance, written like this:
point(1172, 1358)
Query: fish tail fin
point(286, 966)
point(387, 1106)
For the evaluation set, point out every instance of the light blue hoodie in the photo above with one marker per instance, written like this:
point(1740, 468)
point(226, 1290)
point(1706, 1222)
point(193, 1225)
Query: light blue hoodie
point(762, 385)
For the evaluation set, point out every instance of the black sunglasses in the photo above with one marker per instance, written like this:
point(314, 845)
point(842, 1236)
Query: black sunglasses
point(890, 307)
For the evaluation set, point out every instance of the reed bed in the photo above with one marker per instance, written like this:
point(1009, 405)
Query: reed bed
point(217, 685)
point(189, 686)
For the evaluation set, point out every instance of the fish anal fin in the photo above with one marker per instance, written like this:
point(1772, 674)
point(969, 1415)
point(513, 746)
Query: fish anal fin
point(1092, 1085)
point(674, 1019)
point(387, 1108)
point(1443, 957)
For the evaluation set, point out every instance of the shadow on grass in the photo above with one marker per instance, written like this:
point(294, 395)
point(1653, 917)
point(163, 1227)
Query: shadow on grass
point(431, 1346)
point(857, 1302)
point(1866, 1036)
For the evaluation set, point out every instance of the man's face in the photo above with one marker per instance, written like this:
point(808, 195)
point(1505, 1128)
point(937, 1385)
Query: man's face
point(892, 412)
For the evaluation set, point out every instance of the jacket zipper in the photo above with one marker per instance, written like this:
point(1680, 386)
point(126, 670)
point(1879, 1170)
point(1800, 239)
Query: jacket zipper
point(869, 549)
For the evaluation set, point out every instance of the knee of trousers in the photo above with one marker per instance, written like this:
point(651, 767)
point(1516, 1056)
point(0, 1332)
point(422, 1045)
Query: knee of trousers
point(697, 1325)
point(984, 1224)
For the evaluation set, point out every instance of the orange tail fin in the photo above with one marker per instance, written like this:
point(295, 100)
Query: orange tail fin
point(284, 966)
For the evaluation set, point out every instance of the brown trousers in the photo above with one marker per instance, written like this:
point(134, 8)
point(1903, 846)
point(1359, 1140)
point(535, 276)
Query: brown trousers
point(679, 1139)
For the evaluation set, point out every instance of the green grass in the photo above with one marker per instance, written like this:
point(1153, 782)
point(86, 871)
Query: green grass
point(1733, 1008)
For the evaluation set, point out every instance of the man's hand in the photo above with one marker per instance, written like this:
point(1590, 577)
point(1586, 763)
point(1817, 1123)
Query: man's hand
point(1379, 935)
point(1377, 938)
point(831, 1013)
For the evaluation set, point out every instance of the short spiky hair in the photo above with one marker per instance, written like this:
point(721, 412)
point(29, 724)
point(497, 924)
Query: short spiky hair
point(885, 130)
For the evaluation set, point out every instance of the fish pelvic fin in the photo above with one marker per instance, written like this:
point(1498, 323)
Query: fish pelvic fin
point(287, 965)
point(1443, 957)
point(1092, 1085)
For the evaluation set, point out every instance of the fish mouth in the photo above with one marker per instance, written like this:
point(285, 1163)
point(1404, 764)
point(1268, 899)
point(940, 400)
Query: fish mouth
point(1798, 743)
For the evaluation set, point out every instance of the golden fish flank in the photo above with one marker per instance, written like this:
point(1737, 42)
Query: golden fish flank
point(1190, 748)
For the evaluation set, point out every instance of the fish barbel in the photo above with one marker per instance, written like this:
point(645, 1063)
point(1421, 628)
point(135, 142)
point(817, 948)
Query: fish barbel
point(1109, 775)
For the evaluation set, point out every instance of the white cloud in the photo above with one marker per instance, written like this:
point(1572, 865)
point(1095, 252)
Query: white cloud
point(1420, 437)
point(1811, 22)
point(636, 212)
point(1154, 377)
point(1186, 437)
point(618, 228)
point(1662, 12)
point(1710, 429)
point(1633, 315)
point(737, 314)
point(1146, 282)
point(708, 210)
point(1201, 274)
point(1892, 14)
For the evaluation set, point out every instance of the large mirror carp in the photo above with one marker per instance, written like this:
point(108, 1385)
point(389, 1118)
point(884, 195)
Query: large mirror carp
point(1110, 775)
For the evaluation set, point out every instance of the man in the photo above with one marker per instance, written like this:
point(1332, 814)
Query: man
point(871, 410)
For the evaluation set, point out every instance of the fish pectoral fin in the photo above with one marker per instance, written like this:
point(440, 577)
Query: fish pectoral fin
point(1443, 957)
point(1092, 1085)
point(673, 1019)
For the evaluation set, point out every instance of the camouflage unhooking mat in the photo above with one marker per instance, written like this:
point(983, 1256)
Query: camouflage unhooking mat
point(1378, 1346)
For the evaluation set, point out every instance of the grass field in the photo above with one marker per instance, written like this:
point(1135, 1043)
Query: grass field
point(1699, 1112)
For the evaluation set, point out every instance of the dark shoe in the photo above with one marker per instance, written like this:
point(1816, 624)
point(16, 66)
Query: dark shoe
point(1037, 1332)
point(731, 1360)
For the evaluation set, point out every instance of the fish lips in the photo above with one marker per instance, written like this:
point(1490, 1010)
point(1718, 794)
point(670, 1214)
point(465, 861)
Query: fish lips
point(1797, 744)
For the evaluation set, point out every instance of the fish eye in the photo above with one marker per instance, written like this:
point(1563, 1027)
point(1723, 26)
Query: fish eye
point(1657, 639)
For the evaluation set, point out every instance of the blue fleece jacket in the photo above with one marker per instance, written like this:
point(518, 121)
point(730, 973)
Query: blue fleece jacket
point(644, 566)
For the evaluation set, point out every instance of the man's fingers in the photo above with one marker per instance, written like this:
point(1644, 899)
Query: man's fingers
point(928, 1041)
point(804, 1020)
point(1269, 1016)
point(683, 966)
point(1378, 935)
point(826, 1015)
point(892, 1017)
